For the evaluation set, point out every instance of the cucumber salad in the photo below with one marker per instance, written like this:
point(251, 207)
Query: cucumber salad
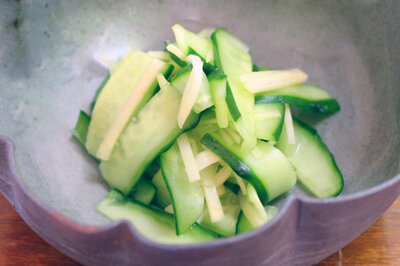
point(195, 141)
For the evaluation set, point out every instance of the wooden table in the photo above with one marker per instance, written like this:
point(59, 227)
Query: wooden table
point(379, 245)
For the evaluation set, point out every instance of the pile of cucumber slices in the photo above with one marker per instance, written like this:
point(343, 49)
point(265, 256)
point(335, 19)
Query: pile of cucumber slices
point(195, 141)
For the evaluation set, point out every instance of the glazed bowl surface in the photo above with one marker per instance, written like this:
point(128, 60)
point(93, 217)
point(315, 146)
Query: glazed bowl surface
point(50, 54)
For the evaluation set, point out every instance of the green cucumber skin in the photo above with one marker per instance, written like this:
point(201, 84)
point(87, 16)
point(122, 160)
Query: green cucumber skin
point(318, 141)
point(217, 59)
point(168, 72)
point(128, 208)
point(230, 101)
point(326, 105)
point(81, 128)
point(237, 165)
point(257, 68)
point(207, 67)
point(99, 90)
point(187, 198)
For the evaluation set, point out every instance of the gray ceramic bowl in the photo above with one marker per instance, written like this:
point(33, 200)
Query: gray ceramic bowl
point(49, 53)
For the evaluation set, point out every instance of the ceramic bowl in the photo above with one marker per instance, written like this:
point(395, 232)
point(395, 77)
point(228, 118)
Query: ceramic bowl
point(50, 53)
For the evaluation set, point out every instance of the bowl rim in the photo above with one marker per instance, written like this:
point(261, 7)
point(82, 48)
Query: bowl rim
point(13, 178)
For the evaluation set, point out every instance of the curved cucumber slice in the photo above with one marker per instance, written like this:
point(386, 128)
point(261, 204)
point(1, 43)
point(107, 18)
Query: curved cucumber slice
point(113, 96)
point(316, 168)
point(125, 167)
point(226, 226)
point(269, 120)
point(232, 58)
point(217, 81)
point(187, 198)
point(243, 224)
point(162, 196)
point(306, 97)
point(144, 191)
point(204, 99)
point(187, 40)
point(271, 173)
point(124, 95)
point(157, 225)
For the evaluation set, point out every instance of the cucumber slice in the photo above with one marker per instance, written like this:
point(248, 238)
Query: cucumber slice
point(175, 53)
point(217, 81)
point(81, 128)
point(99, 90)
point(206, 33)
point(157, 225)
point(226, 226)
point(243, 224)
point(144, 191)
point(141, 93)
point(271, 174)
point(162, 196)
point(233, 59)
point(188, 40)
point(269, 120)
point(187, 198)
point(140, 136)
point(316, 168)
point(124, 95)
point(306, 97)
point(204, 99)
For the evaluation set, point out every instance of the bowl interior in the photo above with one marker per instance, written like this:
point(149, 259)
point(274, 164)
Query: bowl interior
point(50, 59)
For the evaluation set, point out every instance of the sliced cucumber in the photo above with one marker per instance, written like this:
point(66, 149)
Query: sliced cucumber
point(217, 81)
point(175, 53)
point(187, 198)
point(140, 136)
point(269, 120)
point(127, 91)
point(157, 225)
point(162, 196)
point(306, 97)
point(243, 224)
point(204, 99)
point(271, 173)
point(81, 127)
point(316, 168)
point(226, 226)
point(144, 191)
point(232, 58)
point(99, 90)
point(188, 41)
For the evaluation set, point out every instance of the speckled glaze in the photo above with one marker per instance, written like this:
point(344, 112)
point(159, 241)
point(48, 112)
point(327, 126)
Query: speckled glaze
point(50, 67)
